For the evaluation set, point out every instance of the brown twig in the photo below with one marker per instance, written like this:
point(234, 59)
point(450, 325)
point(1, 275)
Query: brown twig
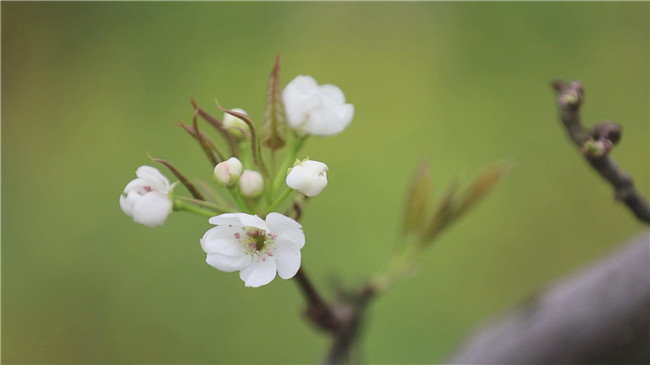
point(218, 125)
point(182, 178)
point(341, 319)
point(318, 311)
point(596, 143)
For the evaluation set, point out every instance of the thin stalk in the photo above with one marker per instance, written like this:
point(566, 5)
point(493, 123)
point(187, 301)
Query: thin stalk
point(241, 204)
point(280, 199)
point(217, 208)
point(298, 142)
point(181, 205)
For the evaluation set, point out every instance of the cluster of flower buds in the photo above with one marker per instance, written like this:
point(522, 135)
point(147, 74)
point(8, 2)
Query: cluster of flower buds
point(247, 188)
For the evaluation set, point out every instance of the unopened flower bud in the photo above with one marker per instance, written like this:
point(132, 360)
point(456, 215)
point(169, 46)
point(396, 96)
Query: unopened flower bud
point(236, 126)
point(309, 177)
point(251, 183)
point(228, 172)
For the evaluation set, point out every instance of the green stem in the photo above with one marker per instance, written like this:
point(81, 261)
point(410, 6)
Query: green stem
point(400, 265)
point(217, 208)
point(245, 155)
point(280, 199)
point(281, 173)
point(181, 205)
point(241, 204)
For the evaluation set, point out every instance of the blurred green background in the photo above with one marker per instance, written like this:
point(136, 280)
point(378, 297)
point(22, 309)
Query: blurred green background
point(89, 88)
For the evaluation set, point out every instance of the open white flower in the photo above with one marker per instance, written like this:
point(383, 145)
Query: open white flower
point(257, 248)
point(309, 177)
point(313, 109)
point(147, 198)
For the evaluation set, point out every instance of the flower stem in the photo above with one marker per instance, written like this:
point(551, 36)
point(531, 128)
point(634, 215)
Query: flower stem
point(181, 205)
point(280, 199)
point(245, 155)
point(241, 204)
point(298, 142)
point(217, 208)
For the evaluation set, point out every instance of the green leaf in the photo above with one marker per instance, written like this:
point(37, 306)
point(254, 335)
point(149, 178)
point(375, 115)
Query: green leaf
point(482, 186)
point(418, 197)
point(274, 123)
point(443, 216)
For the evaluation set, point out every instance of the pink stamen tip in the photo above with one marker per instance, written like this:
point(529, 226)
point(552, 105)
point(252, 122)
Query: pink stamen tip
point(237, 235)
point(263, 259)
point(148, 189)
point(270, 253)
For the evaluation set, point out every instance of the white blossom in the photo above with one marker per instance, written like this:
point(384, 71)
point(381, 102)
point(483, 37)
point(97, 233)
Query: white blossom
point(257, 248)
point(228, 172)
point(313, 109)
point(147, 198)
point(251, 183)
point(309, 177)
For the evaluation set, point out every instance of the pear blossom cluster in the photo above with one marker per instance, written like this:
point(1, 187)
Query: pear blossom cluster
point(246, 188)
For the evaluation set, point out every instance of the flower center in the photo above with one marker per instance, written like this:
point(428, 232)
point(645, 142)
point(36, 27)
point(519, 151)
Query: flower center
point(257, 241)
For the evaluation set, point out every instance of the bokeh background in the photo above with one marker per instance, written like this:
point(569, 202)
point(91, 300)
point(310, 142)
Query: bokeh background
point(88, 89)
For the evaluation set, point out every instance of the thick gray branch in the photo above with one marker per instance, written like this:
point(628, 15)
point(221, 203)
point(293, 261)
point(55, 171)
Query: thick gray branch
point(599, 316)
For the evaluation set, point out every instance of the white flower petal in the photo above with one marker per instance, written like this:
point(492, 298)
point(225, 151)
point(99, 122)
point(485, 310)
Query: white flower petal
point(346, 112)
point(225, 219)
point(228, 263)
point(223, 240)
point(302, 84)
point(313, 109)
point(298, 178)
point(324, 121)
point(127, 202)
point(152, 209)
point(333, 93)
point(286, 229)
point(314, 167)
point(153, 177)
point(299, 106)
point(136, 185)
point(309, 177)
point(248, 220)
point(239, 220)
point(287, 259)
point(280, 222)
point(259, 272)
